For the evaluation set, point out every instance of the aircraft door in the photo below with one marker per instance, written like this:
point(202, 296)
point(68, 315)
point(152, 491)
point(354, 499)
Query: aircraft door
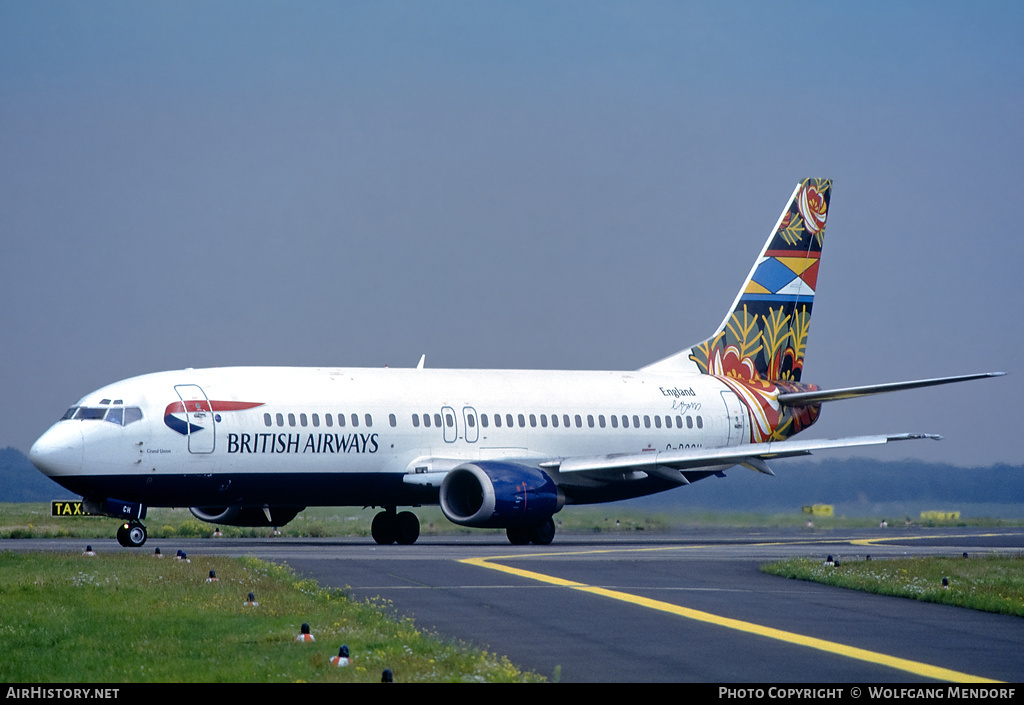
point(737, 419)
point(450, 424)
point(199, 420)
point(471, 424)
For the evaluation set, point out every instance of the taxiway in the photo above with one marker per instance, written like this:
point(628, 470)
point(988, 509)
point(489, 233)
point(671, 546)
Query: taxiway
point(690, 606)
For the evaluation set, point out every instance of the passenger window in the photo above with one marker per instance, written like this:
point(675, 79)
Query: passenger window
point(647, 421)
point(316, 420)
point(636, 421)
point(341, 420)
point(280, 420)
point(554, 420)
point(625, 421)
point(369, 420)
point(437, 420)
point(302, 420)
point(415, 420)
point(700, 422)
point(533, 421)
point(657, 422)
point(689, 422)
point(590, 420)
point(392, 420)
point(291, 419)
point(508, 420)
point(449, 420)
point(544, 420)
point(565, 420)
point(426, 420)
point(329, 418)
point(497, 420)
point(579, 421)
point(615, 421)
point(267, 421)
point(355, 420)
point(483, 420)
point(522, 421)
point(600, 420)
point(471, 420)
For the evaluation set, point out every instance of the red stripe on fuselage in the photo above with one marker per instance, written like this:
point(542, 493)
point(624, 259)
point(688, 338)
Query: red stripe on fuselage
point(178, 407)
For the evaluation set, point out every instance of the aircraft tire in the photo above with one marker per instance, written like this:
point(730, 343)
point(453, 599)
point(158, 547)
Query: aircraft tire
point(383, 528)
point(131, 535)
point(406, 528)
point(518, 536)
point(544, 534)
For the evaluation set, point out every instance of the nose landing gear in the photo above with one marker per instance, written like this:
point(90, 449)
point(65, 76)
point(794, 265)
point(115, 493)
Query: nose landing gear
point(131, 534)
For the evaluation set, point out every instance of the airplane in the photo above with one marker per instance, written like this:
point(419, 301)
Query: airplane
point(507, 449)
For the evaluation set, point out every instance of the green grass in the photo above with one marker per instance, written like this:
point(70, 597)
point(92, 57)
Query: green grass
point(992, 583)
point(130, 618)
point(33, 520)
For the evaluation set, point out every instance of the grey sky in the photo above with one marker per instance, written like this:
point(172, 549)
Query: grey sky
point(509, 184)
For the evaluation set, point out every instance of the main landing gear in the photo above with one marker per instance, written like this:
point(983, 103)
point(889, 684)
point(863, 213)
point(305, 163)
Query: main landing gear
point(539, 535)
point(131, 534)
point(388, 528)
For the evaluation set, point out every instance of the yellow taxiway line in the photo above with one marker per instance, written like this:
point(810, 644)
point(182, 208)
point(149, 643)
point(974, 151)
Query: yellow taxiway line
point(902, 664)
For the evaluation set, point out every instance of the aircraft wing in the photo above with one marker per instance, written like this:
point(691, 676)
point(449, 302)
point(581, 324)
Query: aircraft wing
point(669, 464)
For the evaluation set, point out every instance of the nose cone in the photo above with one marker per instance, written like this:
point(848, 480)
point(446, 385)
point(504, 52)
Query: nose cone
point(58, 452)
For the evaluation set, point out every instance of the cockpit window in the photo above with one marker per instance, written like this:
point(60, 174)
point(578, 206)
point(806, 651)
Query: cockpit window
point(120, 415)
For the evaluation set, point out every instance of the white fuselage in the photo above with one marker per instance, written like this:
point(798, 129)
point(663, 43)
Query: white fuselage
point(333, 429)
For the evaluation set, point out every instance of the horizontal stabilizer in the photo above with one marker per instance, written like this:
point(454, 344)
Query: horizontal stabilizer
point(822, 395)
point(751, 454)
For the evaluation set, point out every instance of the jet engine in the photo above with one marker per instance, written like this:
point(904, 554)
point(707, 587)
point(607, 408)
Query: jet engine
point(496, 494)
point(246, 516)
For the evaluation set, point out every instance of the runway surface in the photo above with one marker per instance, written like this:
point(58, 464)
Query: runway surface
point(688, 606)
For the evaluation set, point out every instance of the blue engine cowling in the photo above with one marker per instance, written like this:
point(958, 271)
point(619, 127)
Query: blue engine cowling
point(499, 495)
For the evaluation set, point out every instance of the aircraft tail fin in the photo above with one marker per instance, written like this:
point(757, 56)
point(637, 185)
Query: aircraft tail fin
point(764, 335)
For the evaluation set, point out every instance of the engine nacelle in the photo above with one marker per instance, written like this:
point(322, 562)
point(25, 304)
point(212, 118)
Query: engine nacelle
point(499, 495)
point(246, 516)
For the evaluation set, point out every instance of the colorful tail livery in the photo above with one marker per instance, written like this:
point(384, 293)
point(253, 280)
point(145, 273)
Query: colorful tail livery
point(494, 448)
point(765, 334)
